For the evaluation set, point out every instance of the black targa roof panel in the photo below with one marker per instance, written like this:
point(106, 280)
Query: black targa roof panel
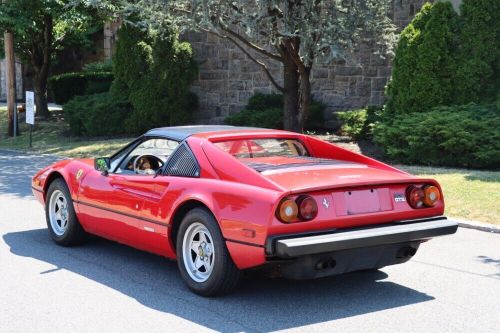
point(180, 133)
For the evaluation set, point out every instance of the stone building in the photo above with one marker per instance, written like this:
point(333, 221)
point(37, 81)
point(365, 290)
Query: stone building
point(227, 77)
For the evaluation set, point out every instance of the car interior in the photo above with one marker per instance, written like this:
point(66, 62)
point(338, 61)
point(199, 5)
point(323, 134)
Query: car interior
point(146, 158)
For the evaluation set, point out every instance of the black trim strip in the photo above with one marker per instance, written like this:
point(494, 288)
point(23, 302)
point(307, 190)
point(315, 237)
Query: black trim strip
point(243, 243)
point(124, 214)
point(34, 188)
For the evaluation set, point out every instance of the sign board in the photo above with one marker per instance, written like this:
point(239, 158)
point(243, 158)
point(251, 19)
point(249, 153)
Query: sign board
point(30, 108)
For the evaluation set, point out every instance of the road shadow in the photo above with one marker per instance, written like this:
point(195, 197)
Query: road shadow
point(490, 261)
point(260, 304)
point(17, 169)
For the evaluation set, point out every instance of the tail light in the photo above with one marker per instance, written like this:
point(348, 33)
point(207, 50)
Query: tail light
point(431, 195)
point(303, 208)
point(308, 209)
point(415, 196)
point(420, 197)
point(288, 210)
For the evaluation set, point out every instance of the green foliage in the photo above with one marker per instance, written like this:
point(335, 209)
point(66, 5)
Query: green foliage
point(29, 20)
point(463, 136)
point(99, 66)
point(478, 70)
point(64, 87)
point(266, 118)
point(266, 110)
point(359, 124)
point(425, 61)
point(153, 70)
point(96, 115)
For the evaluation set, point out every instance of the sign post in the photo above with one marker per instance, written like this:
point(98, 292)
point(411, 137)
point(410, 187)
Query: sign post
point(30, 112)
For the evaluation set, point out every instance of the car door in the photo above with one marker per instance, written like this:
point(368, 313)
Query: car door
point(111, 204)
point(177, 176)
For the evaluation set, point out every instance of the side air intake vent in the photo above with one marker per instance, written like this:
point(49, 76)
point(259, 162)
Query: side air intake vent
point(182, 163)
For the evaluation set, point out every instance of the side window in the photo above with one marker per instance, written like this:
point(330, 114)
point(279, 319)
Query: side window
point(182, 163)
point(147, 157)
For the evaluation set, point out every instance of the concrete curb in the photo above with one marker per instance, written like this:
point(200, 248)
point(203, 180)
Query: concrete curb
point(481, 226)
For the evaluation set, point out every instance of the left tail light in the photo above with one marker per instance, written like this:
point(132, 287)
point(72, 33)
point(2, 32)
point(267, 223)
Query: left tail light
point(303, 208)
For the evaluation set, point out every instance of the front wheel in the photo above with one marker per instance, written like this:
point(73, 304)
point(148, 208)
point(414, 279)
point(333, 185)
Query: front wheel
point(63, 225)
point(203, 259)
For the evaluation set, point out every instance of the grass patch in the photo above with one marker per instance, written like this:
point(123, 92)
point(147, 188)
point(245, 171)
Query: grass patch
point(469, 194)
point(52, 137)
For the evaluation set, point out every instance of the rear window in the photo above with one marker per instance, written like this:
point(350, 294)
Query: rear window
point(256, 148)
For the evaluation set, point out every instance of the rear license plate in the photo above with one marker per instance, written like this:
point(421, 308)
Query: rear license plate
point(361, 202)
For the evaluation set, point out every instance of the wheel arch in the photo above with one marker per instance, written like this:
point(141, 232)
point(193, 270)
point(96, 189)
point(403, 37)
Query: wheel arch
point(50, 179)
point(179, 214)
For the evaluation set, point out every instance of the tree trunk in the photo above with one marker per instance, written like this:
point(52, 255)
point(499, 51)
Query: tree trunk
point(41, 62)
point(10, 81)
point(291, 95)
point(40, 85)
point(305, 96)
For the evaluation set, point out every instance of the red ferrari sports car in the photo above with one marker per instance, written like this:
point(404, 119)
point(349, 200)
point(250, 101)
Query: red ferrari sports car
point(223, 199)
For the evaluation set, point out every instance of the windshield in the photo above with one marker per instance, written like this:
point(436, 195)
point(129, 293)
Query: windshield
point(258, 148)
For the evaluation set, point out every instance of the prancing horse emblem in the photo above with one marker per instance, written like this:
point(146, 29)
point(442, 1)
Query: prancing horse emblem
point(326, 203)
point(79, 174)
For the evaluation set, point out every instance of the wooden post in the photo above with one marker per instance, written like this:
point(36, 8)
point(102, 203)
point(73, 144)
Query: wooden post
point(10, 64)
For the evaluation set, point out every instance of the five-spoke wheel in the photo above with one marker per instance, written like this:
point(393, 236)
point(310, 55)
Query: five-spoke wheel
point(198, 252)
point(203, 259)
point(63, 225)
point(58, 212)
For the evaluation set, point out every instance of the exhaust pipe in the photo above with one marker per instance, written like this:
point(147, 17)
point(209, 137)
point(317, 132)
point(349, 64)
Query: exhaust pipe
point(328, 263)
point(406, 252)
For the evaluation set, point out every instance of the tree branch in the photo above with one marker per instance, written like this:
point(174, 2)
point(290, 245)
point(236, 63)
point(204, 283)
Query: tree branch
point(250, 44)
point(260, 63)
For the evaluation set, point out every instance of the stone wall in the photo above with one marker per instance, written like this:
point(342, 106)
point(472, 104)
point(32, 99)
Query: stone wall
point(227, 77)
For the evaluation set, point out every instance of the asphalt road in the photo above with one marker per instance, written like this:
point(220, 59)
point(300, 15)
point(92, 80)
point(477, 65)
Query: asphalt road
point(452, 284)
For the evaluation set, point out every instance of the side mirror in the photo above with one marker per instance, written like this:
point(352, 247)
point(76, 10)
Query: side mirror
point(102, 164)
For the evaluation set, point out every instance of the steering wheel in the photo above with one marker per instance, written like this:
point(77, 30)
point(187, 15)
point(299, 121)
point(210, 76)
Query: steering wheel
point(155, 163)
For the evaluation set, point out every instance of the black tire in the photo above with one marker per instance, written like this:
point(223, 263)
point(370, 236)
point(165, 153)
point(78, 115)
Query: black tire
point(225, 276)
point(73, 233)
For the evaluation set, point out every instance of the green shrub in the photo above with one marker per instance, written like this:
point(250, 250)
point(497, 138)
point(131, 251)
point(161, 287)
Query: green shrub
point(153, 71)
point(478, 69)
point(358, 124)
point(462, 136)
point(99, 66)
point(66, 86)
point(266, 118)
point(96, 115)
point(266, 110)
point(424, 66)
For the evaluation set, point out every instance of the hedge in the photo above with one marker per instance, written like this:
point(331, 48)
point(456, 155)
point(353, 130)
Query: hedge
point(96, 115)
point(64, 87)
point(461, 136)
point(266, 110)
point(358, 124)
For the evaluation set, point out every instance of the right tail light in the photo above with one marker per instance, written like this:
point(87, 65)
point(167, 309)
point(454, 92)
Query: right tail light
point(422, 196)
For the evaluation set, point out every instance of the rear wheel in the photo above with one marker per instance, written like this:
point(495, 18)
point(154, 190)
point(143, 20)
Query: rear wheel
point(204, 262)
point(64, 228)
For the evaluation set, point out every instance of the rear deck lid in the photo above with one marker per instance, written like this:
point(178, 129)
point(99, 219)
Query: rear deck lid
point(306, 173)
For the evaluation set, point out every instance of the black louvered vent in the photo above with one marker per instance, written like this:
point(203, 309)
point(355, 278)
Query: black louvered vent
point(182, 163)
